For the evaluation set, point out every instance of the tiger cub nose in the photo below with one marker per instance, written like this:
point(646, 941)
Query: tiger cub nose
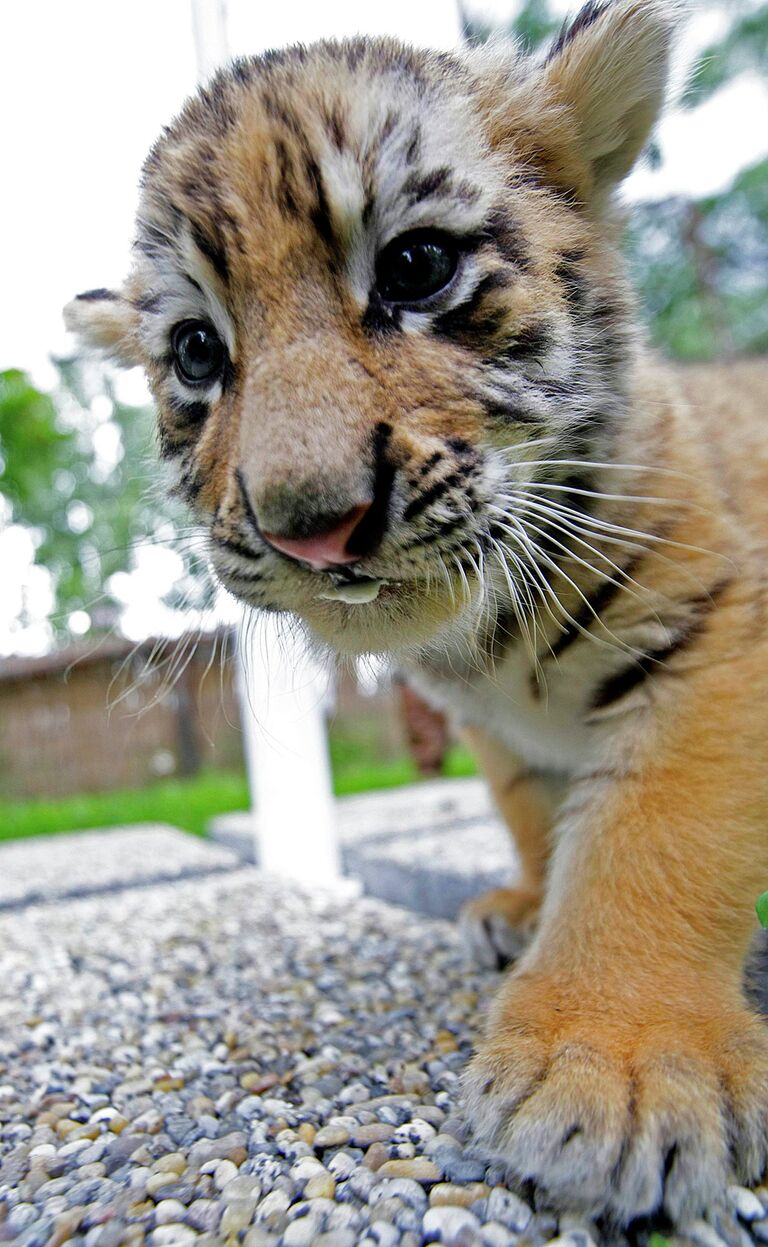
point(327, 548)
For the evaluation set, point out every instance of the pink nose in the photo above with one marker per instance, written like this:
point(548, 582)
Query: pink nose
point(323, 550)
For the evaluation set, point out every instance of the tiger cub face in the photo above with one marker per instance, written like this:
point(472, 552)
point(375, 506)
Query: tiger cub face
point(376, 294)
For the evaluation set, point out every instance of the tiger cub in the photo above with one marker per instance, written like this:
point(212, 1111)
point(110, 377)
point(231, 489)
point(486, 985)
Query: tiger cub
point(379, 299)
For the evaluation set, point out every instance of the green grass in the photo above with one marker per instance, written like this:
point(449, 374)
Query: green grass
point(191, 803)
point(186, 803)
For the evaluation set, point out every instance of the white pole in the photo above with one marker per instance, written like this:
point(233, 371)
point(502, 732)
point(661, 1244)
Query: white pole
point(283, 702)
point(282, 691)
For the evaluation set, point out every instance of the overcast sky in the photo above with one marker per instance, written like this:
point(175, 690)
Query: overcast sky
point(85, 87)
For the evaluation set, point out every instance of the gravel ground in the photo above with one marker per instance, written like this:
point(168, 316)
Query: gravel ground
point(229, 1060)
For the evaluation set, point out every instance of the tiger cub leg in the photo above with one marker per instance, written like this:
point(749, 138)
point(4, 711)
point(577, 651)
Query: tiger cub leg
point(499, 924)
point(622, 1071)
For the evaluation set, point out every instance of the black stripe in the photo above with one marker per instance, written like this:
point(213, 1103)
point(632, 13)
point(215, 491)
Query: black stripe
point(321, 212)
point(530, 342)
point(380, 317)
point(335, 129)
point(149, 303)
point(509, 411)
point(237, 547)
point(469, 322)
point(617, 686)
point(581, 22)
point(188, 415)
point(250, 514)
point(593, 608)
point(286, 188)
point(414, 146)
point(423, 186)
point(460, 447)
point(430, 463)
point(212, 251)
point(571, 278)
point(98, 296)
point(417, 505)
point(503, 230)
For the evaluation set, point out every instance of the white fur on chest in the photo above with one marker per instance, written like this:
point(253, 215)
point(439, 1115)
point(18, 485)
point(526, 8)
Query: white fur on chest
point(544, 724)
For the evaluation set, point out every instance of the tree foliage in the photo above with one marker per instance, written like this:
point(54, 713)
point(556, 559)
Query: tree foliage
point(77, 470)
point(700, 265)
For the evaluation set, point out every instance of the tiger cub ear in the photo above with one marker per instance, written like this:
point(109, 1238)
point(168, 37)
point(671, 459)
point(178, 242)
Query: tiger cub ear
point(609, 68)
point(106, 322)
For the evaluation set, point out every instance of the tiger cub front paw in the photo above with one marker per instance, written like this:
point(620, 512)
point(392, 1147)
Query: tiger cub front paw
point(623, 1116)
point(498, 925)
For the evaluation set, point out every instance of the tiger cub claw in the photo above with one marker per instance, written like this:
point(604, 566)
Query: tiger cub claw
point(498, 925)
point(624, 1120)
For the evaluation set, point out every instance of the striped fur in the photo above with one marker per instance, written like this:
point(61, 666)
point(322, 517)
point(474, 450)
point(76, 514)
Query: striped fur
point(569, 537)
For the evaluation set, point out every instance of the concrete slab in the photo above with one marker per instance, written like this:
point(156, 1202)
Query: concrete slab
point(86, 863)
point(428, 846)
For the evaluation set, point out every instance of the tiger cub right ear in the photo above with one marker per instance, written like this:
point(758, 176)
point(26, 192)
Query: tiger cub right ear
point(609, 70)
point(106, 322)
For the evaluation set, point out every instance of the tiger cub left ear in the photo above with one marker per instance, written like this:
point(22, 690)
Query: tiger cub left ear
point(609, 68)
point(105, 322)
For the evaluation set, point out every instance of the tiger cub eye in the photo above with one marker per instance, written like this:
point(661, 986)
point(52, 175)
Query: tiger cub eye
point(198, 351)
point(415, 266)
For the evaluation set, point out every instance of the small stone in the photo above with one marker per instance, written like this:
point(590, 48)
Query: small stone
point(447, 1193)
point(509, 1209)
point(65, 1225)
point(447, 1223)
point(204, 1214)
point(257, 1236)
point(173, 1235)
point(383, 1234)
point(420, 1169)
point(172, 1162)
point(377, 1132)
point(342, 1166)
point(237, 1216)
point(331, 1136)
point(375, 1156)
point(272, 1208)
point(169, 1084)
point(494, 1234)
point(224, 1172)
point(169, 1210)
point(244, 1186)
point(307, 1132)
point(321, 1186)
point(417, 1131)
point(159, 1181)
point(405, 1189)
point(256, 1083)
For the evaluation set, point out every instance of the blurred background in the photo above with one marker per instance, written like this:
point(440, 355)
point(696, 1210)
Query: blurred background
point(120, 693)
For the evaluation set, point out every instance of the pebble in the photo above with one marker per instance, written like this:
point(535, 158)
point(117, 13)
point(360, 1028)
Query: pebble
point(421, 1169)
point(463, 1196)
point(509, 1209)
point(446, 1224)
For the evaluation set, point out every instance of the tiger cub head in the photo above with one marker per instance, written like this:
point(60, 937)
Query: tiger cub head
point(375, 292)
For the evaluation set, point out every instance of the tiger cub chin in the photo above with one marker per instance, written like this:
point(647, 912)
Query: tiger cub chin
point(378, 296)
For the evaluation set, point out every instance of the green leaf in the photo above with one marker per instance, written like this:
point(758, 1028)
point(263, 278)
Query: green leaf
point(761, 909)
